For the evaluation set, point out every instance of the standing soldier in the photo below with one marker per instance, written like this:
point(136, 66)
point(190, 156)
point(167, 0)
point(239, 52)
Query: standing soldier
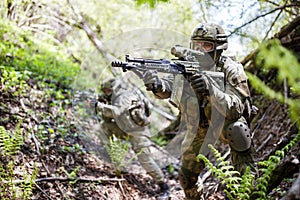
point(125, 114)
point(233, 103)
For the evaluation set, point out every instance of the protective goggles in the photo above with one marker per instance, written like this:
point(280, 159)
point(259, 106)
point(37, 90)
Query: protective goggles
point(203, 46)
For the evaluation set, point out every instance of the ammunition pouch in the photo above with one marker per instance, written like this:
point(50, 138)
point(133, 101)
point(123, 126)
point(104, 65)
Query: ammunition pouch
point(138, 114)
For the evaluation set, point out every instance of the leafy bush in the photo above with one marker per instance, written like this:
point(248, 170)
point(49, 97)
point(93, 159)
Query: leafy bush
point(13, 81)
point(274, 56)
point(45, 62)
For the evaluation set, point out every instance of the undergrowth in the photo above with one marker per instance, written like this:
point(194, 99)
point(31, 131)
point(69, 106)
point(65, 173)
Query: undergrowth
point(241, 186)
point(237, 186)
point(45, 62)
point(11, 187)
point(118, 150)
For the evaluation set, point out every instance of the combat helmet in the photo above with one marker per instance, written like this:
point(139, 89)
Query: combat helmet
point(107, 87)
point(210, 32)
point(108, 84)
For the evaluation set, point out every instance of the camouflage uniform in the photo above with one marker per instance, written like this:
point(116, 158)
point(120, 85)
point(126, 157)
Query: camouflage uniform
point(233, 104)
point(125, 114)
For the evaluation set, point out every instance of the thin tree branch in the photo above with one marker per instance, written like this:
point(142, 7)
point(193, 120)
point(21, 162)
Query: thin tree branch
point(288, 28)
point(92, 36)
point(271, 2)
point(120, 185)
point(283, 32)
point(273, 23)
point(260, 16)
point(265, 142)
point(43, 191)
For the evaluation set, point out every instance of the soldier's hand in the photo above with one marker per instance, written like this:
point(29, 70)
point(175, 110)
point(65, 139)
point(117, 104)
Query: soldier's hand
point(99, 106)
point(92, 103)
point(151, 80)
point(199, 85)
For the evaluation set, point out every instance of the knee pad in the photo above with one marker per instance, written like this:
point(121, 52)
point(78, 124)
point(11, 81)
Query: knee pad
point(238, 136)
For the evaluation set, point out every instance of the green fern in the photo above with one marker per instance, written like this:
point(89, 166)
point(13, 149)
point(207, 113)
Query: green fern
point(240, 187)
point(11, 189)
point(267, 167)
point(28, 184)
point(237, 187)
point(10, 144)
point(118, 150)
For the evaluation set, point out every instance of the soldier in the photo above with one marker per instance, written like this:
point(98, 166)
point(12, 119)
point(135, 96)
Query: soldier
point(233, 103)
point(125, 114)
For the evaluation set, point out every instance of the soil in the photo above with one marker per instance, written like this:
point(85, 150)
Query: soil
point(72, 162)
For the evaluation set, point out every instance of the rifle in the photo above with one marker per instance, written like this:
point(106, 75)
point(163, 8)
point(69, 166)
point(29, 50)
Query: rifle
point(186, 65)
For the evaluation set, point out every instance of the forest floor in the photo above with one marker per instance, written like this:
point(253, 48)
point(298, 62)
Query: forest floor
point(72, 163)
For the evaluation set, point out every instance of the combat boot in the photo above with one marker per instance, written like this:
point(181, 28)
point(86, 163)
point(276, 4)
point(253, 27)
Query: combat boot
point(193, 194)
point(164, 191)
point(190, 187)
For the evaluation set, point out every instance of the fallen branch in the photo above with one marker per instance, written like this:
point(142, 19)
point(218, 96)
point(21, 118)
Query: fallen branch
point(36, 142)
point(123, 193)
point(82, 24)
point(36, 185)
point(286, 169)
point(265, 142)
point(66, 179)
point(48, 172)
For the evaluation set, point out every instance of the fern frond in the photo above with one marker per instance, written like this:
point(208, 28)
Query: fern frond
point(10, 144)
point(118, 151)
point(268, 168)
point(230, 178)
point(223, 163)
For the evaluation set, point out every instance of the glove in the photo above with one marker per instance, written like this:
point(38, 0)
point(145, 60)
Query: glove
point(92, 103)
point(152, 81)
point(99, 107)
point(199, 85)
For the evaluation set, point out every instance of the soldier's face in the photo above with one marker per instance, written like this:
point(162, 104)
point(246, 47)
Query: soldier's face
point(203, 46)
point(107, 91)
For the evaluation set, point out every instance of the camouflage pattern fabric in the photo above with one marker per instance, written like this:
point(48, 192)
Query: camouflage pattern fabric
point(230, 104)
point(118, 120)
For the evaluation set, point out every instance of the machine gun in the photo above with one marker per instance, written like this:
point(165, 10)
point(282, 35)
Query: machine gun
point(186, 65)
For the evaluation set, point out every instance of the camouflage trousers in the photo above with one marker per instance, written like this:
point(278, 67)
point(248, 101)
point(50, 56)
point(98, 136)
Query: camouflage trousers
point(241, 160)
point(140, 144)
point(190, 168)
